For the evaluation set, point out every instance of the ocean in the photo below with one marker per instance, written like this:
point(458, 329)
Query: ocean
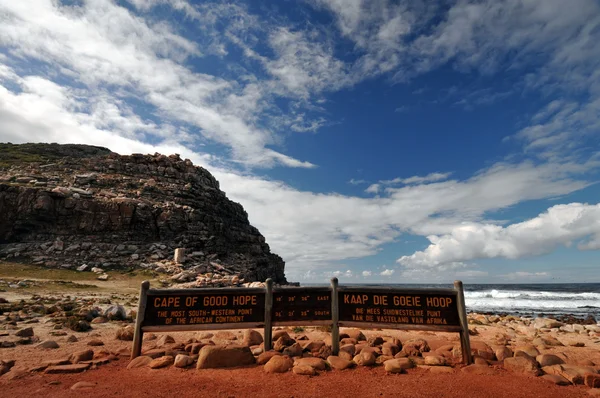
point(549, 299)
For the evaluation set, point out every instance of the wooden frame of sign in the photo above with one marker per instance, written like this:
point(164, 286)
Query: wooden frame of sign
point(162, 310)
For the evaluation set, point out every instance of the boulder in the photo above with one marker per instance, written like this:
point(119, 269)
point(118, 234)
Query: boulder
point(528, 349)
point(522, 364)
point(436, 360)
point(266, 356)
point(365, 358)
point(48, 344)
point(279, 364)
point(295, 350)
point(161, 362)
point(415, 347)
point(314, 346)
point(339, 363)
point(80, 356)
point(548, 360)
point(592, 380)
point(63, 369)
point(126, 333)
point(304, 370)
point(25, 332)
point(503, 352)
point(183, 361)
point(483, 350)
point(139, 362)
point(95, 343)
point(164, 340)
point(83, 385)
point(556, 379)
point(355, 334)
point(115, 313)
point(389, 349)
point(317, 363)
point(397, 365)
point(222, 356)
point(252, 337)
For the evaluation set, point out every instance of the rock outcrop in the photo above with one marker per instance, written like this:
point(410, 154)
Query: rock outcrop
point(82, 207)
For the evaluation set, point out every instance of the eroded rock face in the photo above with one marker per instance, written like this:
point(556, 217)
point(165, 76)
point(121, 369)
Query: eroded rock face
point(104, 210)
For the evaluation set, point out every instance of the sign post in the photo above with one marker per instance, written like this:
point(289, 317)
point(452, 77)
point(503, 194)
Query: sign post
point(441, 310)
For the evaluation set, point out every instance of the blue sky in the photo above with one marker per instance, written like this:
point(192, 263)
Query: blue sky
point(377, 141)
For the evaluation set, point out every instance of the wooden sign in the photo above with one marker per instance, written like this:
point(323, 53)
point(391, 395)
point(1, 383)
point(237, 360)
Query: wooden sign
point(200, 308)
point(400, 307)
point(304, 305)
point(162, 310)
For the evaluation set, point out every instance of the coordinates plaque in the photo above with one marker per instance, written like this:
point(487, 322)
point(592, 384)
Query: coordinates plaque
point(308, 304)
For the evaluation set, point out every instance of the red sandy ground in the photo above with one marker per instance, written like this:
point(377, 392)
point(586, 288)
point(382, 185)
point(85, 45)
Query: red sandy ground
point(114, 380)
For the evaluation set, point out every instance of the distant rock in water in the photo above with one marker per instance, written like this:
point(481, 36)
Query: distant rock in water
point(74, 205)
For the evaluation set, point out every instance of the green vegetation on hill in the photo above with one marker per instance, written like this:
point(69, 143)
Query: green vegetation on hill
point(13, 154)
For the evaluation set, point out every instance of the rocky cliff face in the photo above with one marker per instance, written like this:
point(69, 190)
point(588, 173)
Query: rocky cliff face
point(83, 207)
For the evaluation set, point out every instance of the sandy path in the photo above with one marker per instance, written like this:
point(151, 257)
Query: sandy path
point(115, 380)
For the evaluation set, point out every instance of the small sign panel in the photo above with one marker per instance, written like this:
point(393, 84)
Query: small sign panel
point(301, 305)
point(399, 308)
point(202, 309)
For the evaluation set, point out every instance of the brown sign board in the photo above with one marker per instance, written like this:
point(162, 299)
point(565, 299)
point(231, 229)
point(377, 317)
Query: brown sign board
point(204, 308)
point(301, 305)
point(163, 310)
point(400, 307)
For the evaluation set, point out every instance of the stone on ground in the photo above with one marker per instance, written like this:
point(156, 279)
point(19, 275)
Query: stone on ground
point(592, 380)
point(503, 352)
point(295, 350)
point(304, 370)
point(63, 369)
point(548, 360)
point(355, 334)
point(396, 365)
point(252, 337)
point(95, 343)
point(48, 344)
point(220, 356)
point(183, 361)
point(164, 340)
point(139, 362)
point(266, 356)
point(26, 332)
point(365, 358)
point(556, 379)
point(528, 349)
point(161, 362)
point(522, 364)
point(83, 385)
point(435, 360)
point(126, 333)
point(80, 356)
point(339, 363)
point(279, 364)
point(317, 363)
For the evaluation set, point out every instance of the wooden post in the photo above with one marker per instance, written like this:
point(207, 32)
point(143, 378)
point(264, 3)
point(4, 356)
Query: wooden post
point(139, 319)
point(335, 317)
point(465, 343)
point(268, 318)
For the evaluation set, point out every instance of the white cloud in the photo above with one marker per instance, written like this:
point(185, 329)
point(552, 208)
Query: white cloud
point(101, 44)
point(560, 225)
point(373, 188)
point(432, 177)
point(366, 273)
point(387, 272)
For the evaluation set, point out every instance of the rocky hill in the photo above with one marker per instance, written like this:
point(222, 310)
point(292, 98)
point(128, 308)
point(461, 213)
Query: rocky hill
point(84, 207)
